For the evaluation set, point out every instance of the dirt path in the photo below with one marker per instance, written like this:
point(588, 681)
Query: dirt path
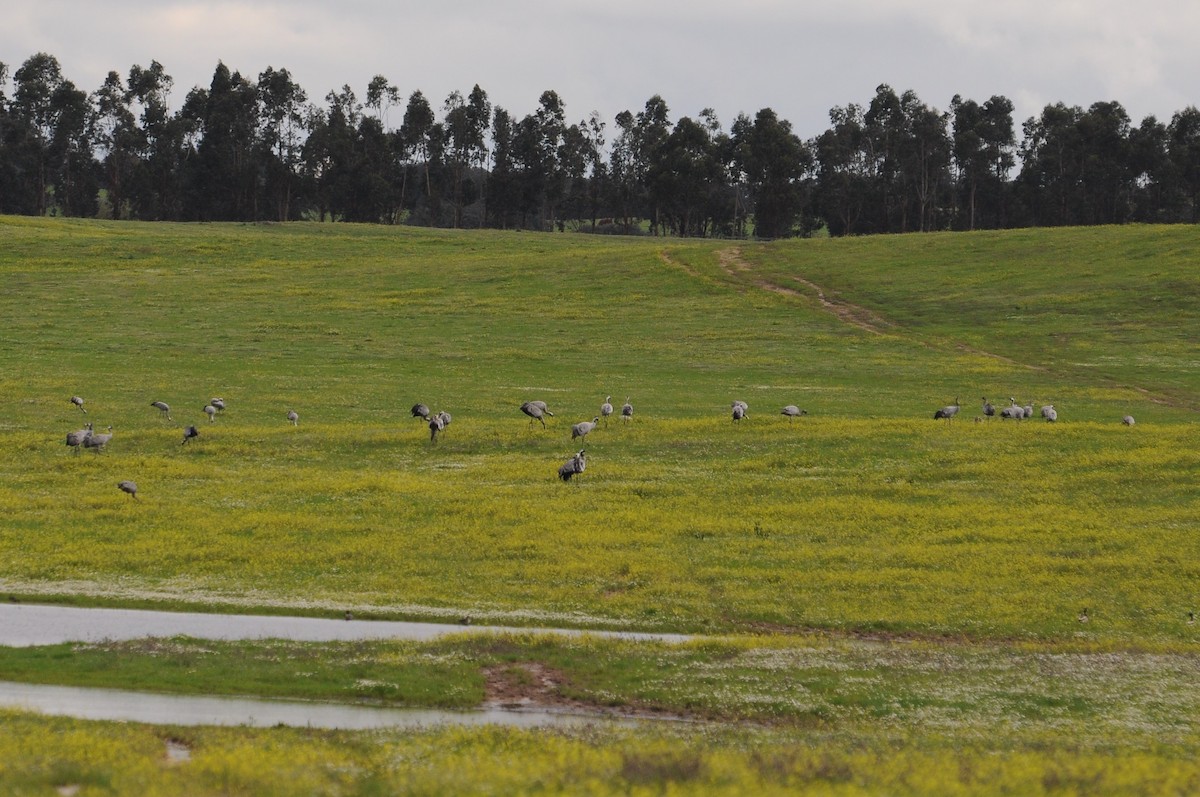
point(736, 267)
point(733, 264)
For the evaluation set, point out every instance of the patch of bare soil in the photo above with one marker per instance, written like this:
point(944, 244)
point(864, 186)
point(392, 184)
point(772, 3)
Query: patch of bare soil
point(533, 685)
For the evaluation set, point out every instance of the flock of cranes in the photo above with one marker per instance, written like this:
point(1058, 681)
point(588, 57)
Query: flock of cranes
point(88, 438)
point(1013, 411)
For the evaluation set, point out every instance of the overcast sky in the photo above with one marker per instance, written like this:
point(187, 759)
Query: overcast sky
point(799, 58)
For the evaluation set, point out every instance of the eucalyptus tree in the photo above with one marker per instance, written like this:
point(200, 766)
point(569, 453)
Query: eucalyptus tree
point(116, 136)
point(984, 154)
point(1051, 165)
point(626, 188)
point(582, 156)
point(49, 139)
point(165, 142)
point(1183, 151)
point(75, 178)
point(336, 152)
point(1107, 177)
point(924, 161)
point(1156, 195)
point(503, 186)
point(685, 176)
point(225, 176)
point(1075, 165)
point(8, 181)
point(381, 96)
point(537, 159)
point(466, 124)
point(844, 172)
point(776, 165)
point(281, 137)
point(652, 127)
point(415, 131)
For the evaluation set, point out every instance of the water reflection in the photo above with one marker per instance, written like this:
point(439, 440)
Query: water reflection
point(120, 705)
point(23, 625)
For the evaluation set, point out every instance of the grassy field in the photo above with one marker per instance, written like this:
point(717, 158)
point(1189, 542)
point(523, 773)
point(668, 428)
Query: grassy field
point(970, 541)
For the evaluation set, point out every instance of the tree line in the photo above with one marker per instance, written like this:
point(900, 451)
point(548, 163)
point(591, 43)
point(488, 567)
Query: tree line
point(260, 150)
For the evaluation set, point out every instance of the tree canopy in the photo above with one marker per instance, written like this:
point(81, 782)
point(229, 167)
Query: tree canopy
point(257, 149)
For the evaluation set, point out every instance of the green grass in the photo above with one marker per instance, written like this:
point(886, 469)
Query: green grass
point(865, 515)
point(919, 581)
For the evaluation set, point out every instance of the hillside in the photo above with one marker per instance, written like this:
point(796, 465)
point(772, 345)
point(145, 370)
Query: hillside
point(863, 515)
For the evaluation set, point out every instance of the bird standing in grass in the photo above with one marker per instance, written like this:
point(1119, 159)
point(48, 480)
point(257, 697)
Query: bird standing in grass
point(573, 466)
point(948, 412)
point(218, 403)
point(1012, 411)
point(77, 438)
point(211, 412)
point(626, 411)
point(582, 428)
point(128, 487)
point(989, 410)
point(1049, 413)
point(420, 411)
point(190, 433)
point(536, 410)
point(436, 425)
point(162, 407)
point(97, 441)
point(606, 409)
point(1128, 420)
point(738, 410)
point(294, 417)
point(792, 411)
point(78, 402)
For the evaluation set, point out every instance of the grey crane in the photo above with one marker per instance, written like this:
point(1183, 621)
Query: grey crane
point(536, 410)
point(582, 428)
point(606, 409)
point(211, 412)
point(573, 466)
point(626, 410)
point(948, 412)
point(446, 418)
point(1049, 413)
point(190, 433)
point(738, 403)
point(98, 441)
point(1128, 420)
point(738, 411)
point(989, 409)
point(294, 417)
point(436, 424)
point(420, 411)
point(128, 487)
point(1012, 411)
point(163, 407)
point(218, 403)
point(1029, 410)
point(792, 411)
point(76, 438)
point(78, 402)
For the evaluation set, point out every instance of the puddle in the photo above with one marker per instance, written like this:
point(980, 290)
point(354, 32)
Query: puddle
point(177, 753)
point(125, 706)
point(24, 625)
